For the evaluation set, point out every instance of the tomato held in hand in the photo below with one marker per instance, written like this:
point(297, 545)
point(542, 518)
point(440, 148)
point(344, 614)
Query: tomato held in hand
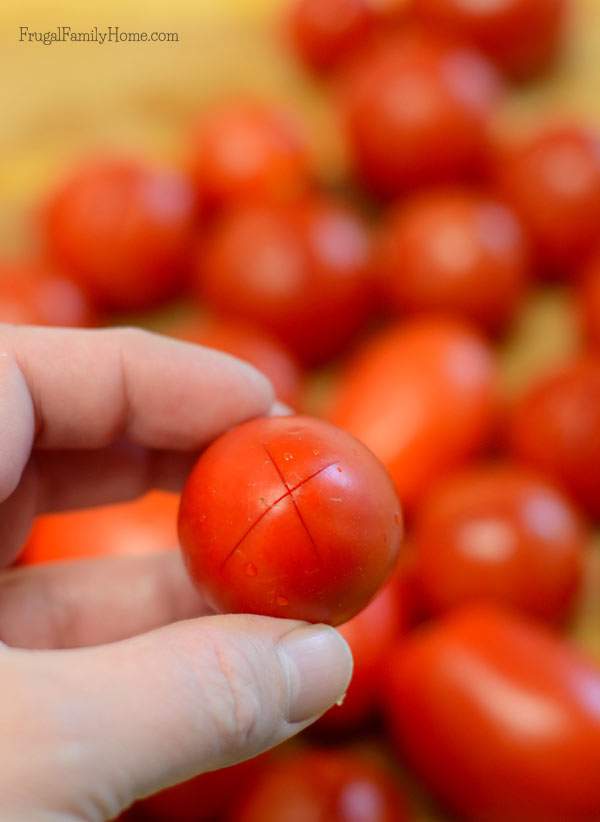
point(416, 112)
point(138, 527)
point(589, 303)
point(499, 533)
point(122, 230)
point(422, 397)
point(300, 272)
point(457, 252)
point(555, 428)
point(500, 718)
point(289, 517)
point(522, 36)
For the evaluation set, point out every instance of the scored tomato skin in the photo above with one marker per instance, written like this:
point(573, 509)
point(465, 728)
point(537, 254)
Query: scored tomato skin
point(453, 251)
point(500, 533)
point(422, 395)
point(121, 229)
point(499, 717)
point(296, 482)
point(589, 303)
point(301, 272)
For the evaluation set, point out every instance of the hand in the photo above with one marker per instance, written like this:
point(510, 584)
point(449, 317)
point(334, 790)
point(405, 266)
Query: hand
point(90, 417)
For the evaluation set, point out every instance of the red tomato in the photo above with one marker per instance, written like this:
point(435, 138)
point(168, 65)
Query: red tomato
point(32, 294)
point(299, 271)
point(122, 230)
point(553, 182)
point(144, 525)
point(454, 251)
point(500, 533)
point(422, 397)
point(556, 429)
point(589, 302)
point(253, 345)
point(298, 484)
point(500, 718)
point(416, 112)
point(248, 149)
point(522, 36)
point(323, 786)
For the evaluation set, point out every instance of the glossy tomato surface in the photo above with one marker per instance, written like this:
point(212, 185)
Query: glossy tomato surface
point(500, 718)
point(416, 112)
point(453, 251)
point(122, 230)
point(555, 428)
point(422, 396)
point(289, 517)
point(589, 303)
point(300, 271)
point(138, 527)
point(499, 533)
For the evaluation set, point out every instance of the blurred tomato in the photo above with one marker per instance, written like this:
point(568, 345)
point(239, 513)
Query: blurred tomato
point(248, 149)
point(589, 303)
point(144, 525)
point(122, 230)
point(416, 112)
point(33, 294)
point(500, 718)
point(499, 533)
point(454, 251)
point(555, 428)
point(422, 397)
point(522, 36)
point(301, 272)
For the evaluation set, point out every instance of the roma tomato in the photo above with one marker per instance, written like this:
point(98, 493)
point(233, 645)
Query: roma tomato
point(555, 428)
point(144, 525)
point(289, 517)
point(499, 533)
point(301, 272)
point(589, 303)
point(323, 786)
point(122, 230)
point(553, 182)
point(456, 252)
point(499, 717)
point(33, 294)
point(522, 36)
point(416, 112)
point(422, 397)
point(248, 149)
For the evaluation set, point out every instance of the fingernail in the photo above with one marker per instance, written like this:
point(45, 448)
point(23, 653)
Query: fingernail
point(318, 665)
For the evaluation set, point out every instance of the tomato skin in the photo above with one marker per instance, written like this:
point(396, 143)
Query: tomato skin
point(323, 786)
point(122, 230)
point(141, 526)
point(500, 718)
point(457, 252)
point(296, 482)
point(422, 396)
point(301, 272)
point(522, 36)
point(248, 150)
point(499, 533)
point(439, 133)
point(589, 303)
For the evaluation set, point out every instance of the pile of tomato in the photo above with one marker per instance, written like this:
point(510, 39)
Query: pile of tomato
point(383, 305)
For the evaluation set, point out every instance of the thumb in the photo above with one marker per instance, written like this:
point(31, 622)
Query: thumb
point(127, 719)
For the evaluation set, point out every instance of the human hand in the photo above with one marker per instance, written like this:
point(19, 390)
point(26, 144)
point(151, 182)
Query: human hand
point(91, 417)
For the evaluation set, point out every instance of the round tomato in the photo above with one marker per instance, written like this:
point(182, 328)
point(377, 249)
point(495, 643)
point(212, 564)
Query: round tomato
point(457, 252)
point(499, 717)
point(422, 397)
point(289, 517)
point(499, 533)
point(247, 149)
point(589, 303)
point(144, 525)
point(555, 428)
point(416, 112)
point(522, 36)
point(122, 230)
point(301, 272)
